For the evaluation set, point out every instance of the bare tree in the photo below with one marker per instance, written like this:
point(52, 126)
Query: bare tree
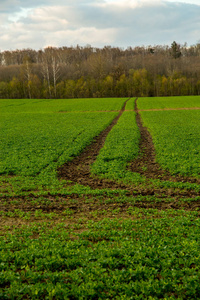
point(56, 73)
point(46, 73)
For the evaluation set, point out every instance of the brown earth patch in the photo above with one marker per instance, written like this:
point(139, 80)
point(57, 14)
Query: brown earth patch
point(78, 170)
point(146, 163)
point(77, 204)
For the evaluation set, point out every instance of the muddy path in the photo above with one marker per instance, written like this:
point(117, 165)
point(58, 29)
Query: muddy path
point(91, 206)
point(146, 164)
point(78, 170)
point(79, 203)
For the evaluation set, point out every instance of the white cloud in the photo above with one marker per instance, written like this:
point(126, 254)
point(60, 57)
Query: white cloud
point(14, 17)
point(79, 36)
point(117, 23)
point(196, 2)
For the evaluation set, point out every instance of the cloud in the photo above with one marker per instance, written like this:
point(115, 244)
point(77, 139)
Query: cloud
point(99, 23)
point(10, 6)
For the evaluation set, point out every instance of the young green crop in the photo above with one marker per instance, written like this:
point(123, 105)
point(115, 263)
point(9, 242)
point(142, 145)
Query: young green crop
point(36, 139)
point(30, 143)
point(176, 139)
point(27, 106)
point(121, 146)
point(148, 258)
point(130, 105)
point(52, 247)
point(169, 102)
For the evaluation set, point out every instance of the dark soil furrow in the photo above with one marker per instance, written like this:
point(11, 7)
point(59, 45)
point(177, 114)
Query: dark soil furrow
point(81, 204)
point(78, 170)
point(146, 164)
point(89, 205)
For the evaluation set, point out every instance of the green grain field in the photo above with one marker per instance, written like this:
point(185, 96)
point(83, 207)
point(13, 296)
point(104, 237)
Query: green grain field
point(110, 231)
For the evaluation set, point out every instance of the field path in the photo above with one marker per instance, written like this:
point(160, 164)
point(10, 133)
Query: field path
point(78, 170)
point(146, 163)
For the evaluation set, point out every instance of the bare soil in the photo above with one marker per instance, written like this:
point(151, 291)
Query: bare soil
point(78, 171)
point(146, 163)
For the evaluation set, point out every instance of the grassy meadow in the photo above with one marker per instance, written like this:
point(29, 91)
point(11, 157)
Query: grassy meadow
point(128, 236)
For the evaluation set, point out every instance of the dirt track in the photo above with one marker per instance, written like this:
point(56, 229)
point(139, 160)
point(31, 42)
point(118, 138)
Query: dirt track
point(146, 163)
point(79, 203)
point(78, 170)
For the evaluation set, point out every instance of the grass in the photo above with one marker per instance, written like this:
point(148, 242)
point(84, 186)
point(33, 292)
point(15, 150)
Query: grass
point(169, 102)
point(35, 140)
point(176, 139)
point(29, 106)
point(121, 146)
point(148, 254)
point(60, 240)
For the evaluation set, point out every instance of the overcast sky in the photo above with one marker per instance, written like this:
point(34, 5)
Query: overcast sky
point(40, 23)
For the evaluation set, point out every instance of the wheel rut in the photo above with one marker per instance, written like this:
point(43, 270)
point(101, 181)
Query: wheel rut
point(78, 170)
point(146, 164)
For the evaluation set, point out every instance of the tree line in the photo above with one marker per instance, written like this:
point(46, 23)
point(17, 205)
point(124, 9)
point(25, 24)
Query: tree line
point(79, 72)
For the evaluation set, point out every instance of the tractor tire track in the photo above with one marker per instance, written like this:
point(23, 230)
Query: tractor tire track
point(146, 164)
point(78, 170)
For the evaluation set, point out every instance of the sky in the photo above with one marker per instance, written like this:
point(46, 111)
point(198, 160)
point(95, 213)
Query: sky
point(37, 24)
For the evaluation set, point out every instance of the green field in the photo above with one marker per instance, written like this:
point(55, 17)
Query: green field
point(115, 229)
point(176, 136)
point(51, 106)
point(169, 102)
point(35, 142)
point(121, 146)
point(36, 139)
